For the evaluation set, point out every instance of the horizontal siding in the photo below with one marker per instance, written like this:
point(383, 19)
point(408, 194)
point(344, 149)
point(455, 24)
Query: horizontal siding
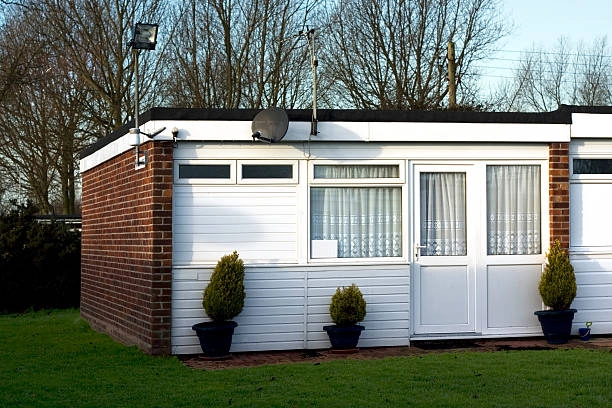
point(260, 222)
point(287, 306)
point(594, 296)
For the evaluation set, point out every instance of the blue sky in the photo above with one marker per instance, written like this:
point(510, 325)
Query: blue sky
point(544, 21)
point(541, 23)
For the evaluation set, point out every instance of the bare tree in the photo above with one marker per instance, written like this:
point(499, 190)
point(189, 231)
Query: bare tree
point(65, 80)
point(94, 37)
point(594, 85)
point(390, 54)
point(236, 54)
point(27, 152)
point(545, 79)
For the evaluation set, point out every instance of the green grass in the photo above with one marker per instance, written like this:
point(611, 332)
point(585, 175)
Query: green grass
point(53, 359)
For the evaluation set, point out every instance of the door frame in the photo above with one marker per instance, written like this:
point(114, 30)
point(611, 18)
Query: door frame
point(451, 264)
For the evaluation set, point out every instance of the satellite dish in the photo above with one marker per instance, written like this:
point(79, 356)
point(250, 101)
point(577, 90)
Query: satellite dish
point(270, 125)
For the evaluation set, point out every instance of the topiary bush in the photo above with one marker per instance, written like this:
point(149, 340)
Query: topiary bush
point(347, 306)
point(558, 282)
point(223, 298)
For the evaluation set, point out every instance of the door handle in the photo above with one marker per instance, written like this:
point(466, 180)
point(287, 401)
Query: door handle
point(417, 250)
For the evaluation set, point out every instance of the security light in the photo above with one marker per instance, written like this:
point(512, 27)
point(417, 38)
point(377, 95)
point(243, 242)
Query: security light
point(145, 36)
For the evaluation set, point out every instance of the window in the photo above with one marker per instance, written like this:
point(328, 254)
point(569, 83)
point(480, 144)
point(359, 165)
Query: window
point(267, 172)
point(513, 210)
point(443, 214)
point(237, 172)
point(357, 217)
point(592, 166)
point(204, 171)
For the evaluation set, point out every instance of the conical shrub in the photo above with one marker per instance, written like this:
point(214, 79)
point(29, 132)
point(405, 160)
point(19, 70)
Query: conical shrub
point(223, 298)
point(558, 282)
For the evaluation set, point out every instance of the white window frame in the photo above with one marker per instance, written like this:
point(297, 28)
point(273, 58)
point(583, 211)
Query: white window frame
point(544, 212)
point(236, 172)
point(593, 177)
point(230, 180)
point(293, 180)
point(401, 179)
point(399, 182)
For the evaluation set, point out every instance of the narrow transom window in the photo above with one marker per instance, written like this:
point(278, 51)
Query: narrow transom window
point(592, 166)
point(205, 171)
point(364, 171)
point(267, 171)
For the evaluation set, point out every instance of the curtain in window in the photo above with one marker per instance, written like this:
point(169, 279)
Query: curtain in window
point(443, 229)
point(351, 171)
point(366, 221)
point(513, 210)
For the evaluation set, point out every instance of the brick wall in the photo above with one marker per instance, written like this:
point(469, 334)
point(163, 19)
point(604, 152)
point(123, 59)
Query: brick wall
point(558, 186)
point(126, 267)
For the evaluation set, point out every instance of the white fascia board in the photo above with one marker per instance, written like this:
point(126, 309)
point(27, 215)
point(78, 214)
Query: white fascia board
point(115, 148)
point(591, 125)
point(383, 132)
point(240, 131)
point(469, 132)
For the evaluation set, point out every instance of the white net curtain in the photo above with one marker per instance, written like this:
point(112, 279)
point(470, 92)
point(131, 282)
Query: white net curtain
point(443, 227)
point(513, 210)
point(365, 221)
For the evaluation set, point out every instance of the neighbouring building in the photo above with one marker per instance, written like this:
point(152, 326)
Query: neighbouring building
point(443, 219)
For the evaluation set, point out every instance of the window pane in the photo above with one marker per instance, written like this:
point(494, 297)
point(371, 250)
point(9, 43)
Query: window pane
point(355, 171)
point(592, 166)
point(513, 210)
point(204, 171)
point(443, 229)
point(267, 171)
point(365, 222)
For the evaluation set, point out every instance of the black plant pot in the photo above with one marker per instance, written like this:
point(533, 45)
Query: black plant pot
point(344, 337)
point(215, 338)
point(556, 324)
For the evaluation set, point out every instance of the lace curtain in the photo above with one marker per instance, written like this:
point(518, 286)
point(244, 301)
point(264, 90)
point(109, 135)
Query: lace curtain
point(513, 210)
point(443, 229)
point(366, 221)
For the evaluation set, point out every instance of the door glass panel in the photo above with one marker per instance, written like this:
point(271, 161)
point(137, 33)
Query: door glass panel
point(443, 214)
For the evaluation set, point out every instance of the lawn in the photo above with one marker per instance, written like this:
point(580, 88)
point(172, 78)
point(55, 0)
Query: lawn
point(53, 359)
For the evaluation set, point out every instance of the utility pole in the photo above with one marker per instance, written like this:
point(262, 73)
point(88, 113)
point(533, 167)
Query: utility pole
point(452, 89)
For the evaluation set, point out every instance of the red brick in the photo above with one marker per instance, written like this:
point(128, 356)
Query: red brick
point(127, 248)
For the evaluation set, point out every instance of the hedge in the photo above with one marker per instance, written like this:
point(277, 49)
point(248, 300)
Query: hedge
point(39, 262)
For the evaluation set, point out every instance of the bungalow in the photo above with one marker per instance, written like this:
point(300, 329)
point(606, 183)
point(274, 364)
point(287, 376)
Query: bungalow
point(443, 219)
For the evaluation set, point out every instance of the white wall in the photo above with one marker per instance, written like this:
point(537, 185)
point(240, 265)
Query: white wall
point(590, 226)
point(287, 306)
point(288, 293)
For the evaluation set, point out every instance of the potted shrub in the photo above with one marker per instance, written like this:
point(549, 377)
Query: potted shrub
point(222, 299)
point(347, 308)
point(558, 289)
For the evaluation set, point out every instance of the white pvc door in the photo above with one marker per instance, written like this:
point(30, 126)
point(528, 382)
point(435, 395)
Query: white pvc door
point(444, 274)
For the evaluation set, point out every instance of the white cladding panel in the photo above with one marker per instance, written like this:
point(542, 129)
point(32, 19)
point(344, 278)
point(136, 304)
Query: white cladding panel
point(594, 296)
point(260, 222)
point(287, 306)
point(590, 225)
point(590, 221)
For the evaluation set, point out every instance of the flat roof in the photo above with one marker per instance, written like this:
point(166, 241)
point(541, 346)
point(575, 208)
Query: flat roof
point(563, 115)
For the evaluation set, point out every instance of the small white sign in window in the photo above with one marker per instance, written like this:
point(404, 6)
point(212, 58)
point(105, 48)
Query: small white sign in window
point(324, 248)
